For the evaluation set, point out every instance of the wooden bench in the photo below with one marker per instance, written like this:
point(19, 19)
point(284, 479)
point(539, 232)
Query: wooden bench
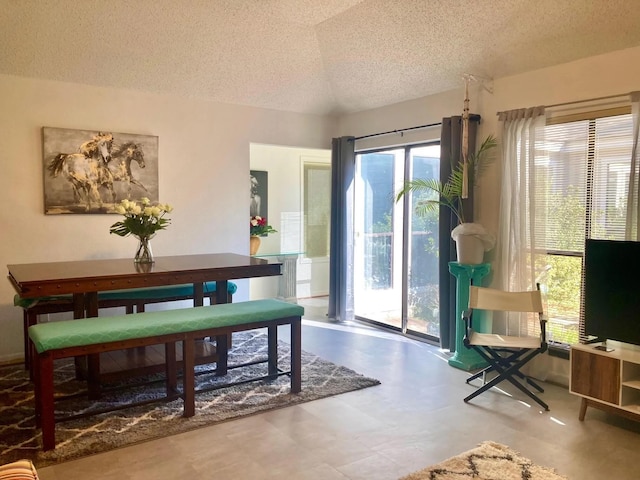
point(135, 298)
point(92, 336)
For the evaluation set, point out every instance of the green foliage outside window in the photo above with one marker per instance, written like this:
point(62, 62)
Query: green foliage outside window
point(566, 233)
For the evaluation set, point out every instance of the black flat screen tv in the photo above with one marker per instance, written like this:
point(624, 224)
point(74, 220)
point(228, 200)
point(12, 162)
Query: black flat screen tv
point(612, 290)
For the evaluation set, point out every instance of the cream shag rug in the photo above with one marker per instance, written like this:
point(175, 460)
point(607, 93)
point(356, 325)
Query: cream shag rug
point(488, 461)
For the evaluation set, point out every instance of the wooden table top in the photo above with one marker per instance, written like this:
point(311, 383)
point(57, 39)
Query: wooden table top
point(60, 278)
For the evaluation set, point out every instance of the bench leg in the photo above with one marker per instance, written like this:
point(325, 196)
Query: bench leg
point(222, 352)
point(296, 355)
point(272, 349)
point(44, 400)
point(189, 377)
point(171, 367)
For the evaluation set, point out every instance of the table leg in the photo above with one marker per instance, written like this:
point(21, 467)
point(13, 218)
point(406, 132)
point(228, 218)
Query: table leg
point(79, 312)
point(296, 355)
point(198, 294)
point(91, 304)
point(189, 376)
point(221, 291)
point(93, 363)
point(222, 296)
point(45, 401)
point(287, 284)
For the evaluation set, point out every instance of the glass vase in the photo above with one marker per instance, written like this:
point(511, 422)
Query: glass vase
point(144, 253)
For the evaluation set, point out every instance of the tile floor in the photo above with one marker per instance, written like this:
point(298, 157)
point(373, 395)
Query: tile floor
point(415, 418)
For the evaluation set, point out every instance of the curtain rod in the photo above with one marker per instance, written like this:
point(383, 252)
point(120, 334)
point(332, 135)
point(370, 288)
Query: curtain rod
point(581, 101)
point(401, 131)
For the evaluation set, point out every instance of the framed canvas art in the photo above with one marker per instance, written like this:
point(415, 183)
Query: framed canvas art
point(258, 193)
point(87, 171)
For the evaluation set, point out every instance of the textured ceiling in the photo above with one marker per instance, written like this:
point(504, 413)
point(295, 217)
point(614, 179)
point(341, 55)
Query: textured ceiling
point(315, 56)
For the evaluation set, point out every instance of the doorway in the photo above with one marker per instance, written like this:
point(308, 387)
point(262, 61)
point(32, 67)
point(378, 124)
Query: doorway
point(298, 190)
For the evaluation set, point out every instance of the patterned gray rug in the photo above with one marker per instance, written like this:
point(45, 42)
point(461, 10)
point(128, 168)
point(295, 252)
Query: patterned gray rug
point(77, 438)
point(488, 461)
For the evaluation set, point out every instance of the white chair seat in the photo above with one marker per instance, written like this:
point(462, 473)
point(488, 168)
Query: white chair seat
point(504, 341)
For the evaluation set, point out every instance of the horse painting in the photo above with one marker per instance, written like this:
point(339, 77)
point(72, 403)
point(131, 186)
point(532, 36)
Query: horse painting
point(87, 170)
point(120, 164)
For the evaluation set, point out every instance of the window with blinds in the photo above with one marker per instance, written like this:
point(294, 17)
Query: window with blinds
point(581, 175)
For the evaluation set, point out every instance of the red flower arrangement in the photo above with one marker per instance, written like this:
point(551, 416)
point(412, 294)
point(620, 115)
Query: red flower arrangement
point(258, 226)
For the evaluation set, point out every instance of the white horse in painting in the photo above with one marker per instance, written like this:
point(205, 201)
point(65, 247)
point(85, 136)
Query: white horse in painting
point(87, 170)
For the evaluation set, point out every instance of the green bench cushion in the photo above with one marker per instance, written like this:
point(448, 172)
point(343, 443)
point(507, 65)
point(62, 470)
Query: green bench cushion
point(91, 331)
point(166, 291)
point(147, 293)
point(18, 301)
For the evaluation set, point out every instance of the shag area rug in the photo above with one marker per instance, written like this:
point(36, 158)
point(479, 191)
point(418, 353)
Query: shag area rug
point(98, 433)
point(488, 461)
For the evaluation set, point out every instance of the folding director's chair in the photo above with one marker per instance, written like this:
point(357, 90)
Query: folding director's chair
point(505, 354)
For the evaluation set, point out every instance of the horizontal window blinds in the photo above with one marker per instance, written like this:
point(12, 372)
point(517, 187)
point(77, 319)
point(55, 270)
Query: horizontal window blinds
point(581, 181)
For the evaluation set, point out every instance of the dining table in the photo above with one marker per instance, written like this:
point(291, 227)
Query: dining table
point(83, 279)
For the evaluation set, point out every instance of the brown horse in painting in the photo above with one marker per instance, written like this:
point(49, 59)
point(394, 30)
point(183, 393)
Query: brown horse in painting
point(120, 164)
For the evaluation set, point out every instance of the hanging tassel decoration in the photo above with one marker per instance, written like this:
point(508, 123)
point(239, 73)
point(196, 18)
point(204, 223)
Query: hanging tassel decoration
point(465, 140)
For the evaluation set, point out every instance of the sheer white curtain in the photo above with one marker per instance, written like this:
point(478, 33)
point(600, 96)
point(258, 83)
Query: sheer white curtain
point(522, 140)
point(632, 232)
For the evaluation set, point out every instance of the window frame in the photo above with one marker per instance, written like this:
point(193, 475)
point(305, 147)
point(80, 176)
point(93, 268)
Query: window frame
point(592, 116)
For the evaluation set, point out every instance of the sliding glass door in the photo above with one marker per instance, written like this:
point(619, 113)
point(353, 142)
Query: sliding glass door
point(395, 251)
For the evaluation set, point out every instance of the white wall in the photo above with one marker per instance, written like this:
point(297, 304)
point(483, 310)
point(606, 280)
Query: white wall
point(284, 165)
point(594, 77)
point(203, 168)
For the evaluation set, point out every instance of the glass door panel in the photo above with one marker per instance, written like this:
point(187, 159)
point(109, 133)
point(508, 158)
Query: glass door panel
point(423, 285)
point(395, 251)
point(378, 240)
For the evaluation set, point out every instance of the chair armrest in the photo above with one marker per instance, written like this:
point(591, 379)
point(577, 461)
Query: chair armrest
point(467, 318)
point(543, 328)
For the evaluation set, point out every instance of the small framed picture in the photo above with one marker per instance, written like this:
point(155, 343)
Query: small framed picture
point(258, 202)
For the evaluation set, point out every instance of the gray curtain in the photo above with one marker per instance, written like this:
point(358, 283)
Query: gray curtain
point(341, 240)
point(450, 156)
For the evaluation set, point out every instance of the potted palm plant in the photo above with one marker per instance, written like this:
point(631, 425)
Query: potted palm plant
point(472, 240)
